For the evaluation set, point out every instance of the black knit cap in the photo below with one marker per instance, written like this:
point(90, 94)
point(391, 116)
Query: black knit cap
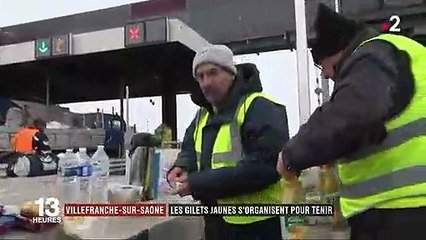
point(333, 33)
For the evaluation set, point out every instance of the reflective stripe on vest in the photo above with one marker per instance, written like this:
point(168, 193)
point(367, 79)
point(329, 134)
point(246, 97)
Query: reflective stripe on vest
point(392, 174)
point(228, 151)
point(24, 140)
point(394, 138)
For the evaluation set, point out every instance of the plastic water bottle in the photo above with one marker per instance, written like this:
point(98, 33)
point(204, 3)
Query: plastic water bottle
point(85, 174)
point(102, 158)
point(60, 163)
point(69, 184)
point(97, 184)
point(128, 165)
point(96, 165)
point(84, 163)
point(99, 181)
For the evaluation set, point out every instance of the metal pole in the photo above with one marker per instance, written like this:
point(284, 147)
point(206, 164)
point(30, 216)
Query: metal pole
point(302, 62)
point(127, 105)
point(325, 90)
point(48, 90)
point(336, 5)
point(122, 93)
point(318, 90)
point(103, 119)
point(122, 108)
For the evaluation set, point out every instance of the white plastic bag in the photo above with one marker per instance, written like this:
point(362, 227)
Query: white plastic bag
point(22, 167)
point(48, 163)
point(167, 159)
point(14, 117)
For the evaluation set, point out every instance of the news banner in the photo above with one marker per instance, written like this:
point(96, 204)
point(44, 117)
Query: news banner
point(163, 210)
point(50, 212)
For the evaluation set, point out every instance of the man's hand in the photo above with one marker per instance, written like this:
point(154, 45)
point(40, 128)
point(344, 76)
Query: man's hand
point(176, 173)
point(183, 188)
point(282, 169)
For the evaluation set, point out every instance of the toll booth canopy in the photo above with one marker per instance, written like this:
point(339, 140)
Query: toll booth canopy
point(152, 57)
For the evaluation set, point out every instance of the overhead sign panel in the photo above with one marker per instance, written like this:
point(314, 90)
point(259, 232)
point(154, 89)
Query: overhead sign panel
point(43, 48)
point(61, 45)
point(135, 34)
point(156, 30)
point(150, 31)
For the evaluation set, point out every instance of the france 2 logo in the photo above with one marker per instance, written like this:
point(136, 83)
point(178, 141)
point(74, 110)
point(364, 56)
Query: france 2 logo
point(392, 25)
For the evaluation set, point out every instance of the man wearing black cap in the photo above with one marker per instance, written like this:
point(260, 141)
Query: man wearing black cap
point(374, 126)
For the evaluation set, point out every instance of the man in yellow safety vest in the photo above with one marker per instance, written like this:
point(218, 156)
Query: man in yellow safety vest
point(374, 126)
point(230, 150)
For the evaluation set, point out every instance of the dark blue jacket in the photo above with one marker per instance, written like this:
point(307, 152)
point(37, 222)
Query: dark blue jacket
point(263, 133)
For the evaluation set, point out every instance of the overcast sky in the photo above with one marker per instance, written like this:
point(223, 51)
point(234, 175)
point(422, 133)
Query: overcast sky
point(277, 69)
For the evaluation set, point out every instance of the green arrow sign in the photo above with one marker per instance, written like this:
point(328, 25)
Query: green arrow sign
point(43, 48)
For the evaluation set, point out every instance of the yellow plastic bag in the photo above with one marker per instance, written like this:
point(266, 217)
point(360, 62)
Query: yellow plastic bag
point(294, 226)
point(293, 192)
point(329, 186)
point(329, 183)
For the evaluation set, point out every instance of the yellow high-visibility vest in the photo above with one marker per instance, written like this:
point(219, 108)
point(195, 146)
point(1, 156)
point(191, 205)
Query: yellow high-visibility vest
point(228, 151)
point(393, 174)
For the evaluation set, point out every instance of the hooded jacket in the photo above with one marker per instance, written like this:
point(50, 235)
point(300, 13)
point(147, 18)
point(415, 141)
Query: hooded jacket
point(372, 85)
point(264, 131)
